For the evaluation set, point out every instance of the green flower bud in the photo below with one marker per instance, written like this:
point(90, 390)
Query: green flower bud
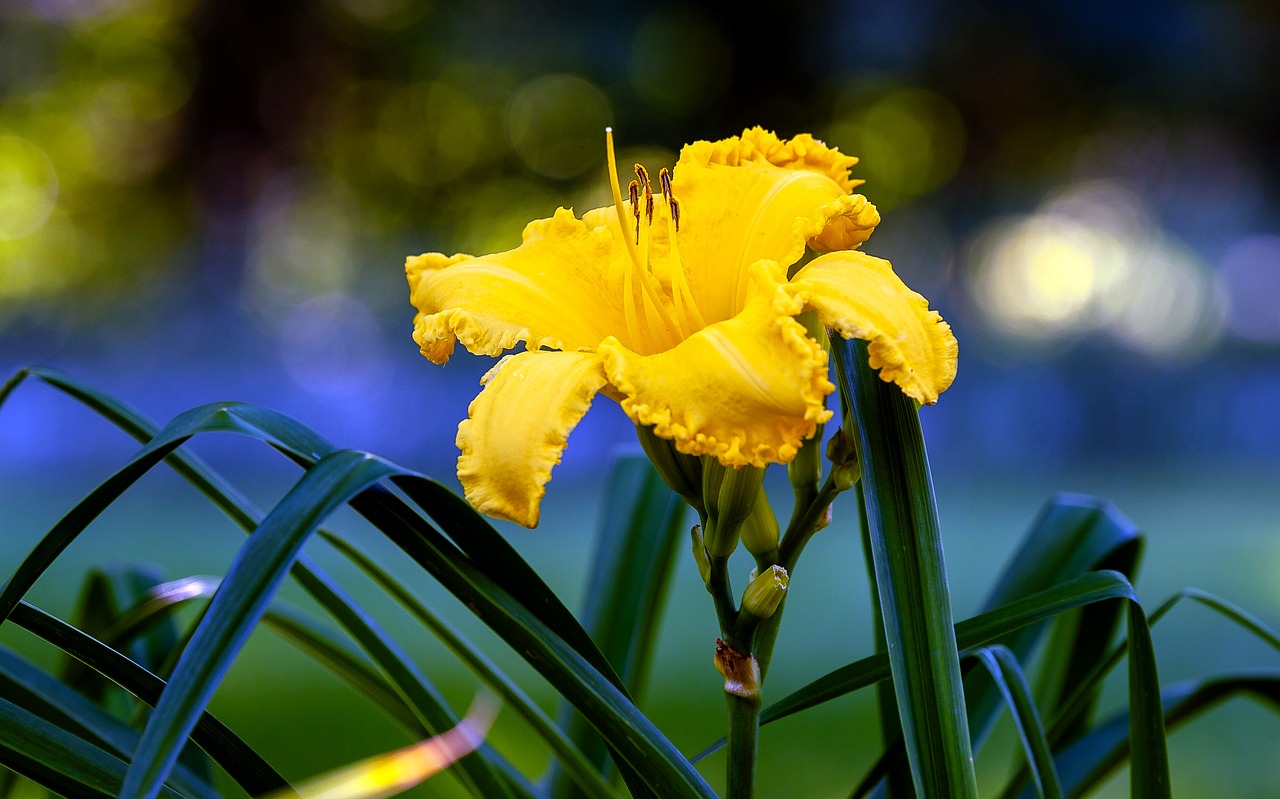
point(765, 592)
point(805, 471)
point(682, 473)
point(700, 554)
point(730, 495)
point(760, 531)
point(845, 468)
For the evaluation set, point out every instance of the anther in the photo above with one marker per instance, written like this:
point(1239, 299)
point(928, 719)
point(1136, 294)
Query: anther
point(674, 205)
point(643, 174)
point(664, 177)
point(633, 193)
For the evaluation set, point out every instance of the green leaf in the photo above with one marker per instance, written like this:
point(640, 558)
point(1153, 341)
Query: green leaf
point(242, 763)
point(43, 695)
point(1087, 762)
point(642, 524)
point(915, 601)
point(572, 663)
point(1149, 758)
point(576, 765)
point(1073, 535)
point(57, 759)
point(977, 631)
point(252, 580)
point(1007, 675)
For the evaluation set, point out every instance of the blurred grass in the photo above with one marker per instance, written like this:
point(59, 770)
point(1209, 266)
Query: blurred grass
point(1217, 531)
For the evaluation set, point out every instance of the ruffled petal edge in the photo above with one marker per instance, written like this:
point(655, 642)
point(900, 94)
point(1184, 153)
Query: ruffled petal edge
point(860, 296)
point(775, 307)
point(517, 428)
point(757, 144)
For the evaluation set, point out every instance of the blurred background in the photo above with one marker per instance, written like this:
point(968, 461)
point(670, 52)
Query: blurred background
point(203, 201)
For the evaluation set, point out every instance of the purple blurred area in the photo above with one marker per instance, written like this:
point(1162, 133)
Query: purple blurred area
point(203, 201)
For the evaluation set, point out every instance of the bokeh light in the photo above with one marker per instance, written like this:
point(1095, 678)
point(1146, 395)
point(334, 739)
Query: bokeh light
point(908, 140)
point(556, 122)
point(679, 58)
point(1250, 275)
point(28, 187)
point(1093, 260)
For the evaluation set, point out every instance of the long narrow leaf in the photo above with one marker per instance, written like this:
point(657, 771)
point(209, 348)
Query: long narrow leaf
point(38, 692)
point(586, 776)
point(58, 760)
point(915, 600)
point(1007, 675)
point(239, 760)
point(252, 580)
point(1073, 534)
point(970, 633)
point(641, 524)
point(1091, 759)
point(630, 733)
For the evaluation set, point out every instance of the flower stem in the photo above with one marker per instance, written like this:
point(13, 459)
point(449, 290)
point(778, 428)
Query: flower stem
point(742, 695)
point(744, 725)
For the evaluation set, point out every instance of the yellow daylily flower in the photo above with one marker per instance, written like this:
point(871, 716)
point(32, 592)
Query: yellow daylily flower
point(676, 302)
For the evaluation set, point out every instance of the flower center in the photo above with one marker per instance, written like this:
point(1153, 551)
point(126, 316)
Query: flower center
point(657, 318)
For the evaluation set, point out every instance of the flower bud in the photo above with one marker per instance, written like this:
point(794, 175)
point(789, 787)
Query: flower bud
point(729, 493)
point(765, 592)
point(682, 473)
point(845, 468)
point(805, 470)
point(700, 554)
point(760, 531)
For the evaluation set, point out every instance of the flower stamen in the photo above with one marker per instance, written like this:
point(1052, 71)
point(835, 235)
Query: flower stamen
point(628, 284)
point(686, 309)
point(637, 314)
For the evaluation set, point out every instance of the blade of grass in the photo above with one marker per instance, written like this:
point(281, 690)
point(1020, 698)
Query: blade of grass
point(915, 600)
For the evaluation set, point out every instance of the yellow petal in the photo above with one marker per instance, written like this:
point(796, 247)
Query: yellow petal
point(562, 288)
point(755, 198)
point(747, 390)
point(517, 428)
point(861, 297)
point(757, 145)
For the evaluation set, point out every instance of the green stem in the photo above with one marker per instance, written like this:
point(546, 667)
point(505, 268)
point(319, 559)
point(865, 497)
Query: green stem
point(744, 726)
point(803, 524)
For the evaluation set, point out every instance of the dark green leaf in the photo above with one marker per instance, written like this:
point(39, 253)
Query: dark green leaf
point(40, 693)
point(915, 601)
point(642, 524)
point(244, 765)
point(1007, 675)
point(576, 765)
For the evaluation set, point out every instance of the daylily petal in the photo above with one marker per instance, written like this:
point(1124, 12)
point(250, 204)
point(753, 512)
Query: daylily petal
point(517, 428)
point(747, 390)
point(753, 198)
point(861, 297)
point(562, 288)
point(841, 225)
point(757, 145)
